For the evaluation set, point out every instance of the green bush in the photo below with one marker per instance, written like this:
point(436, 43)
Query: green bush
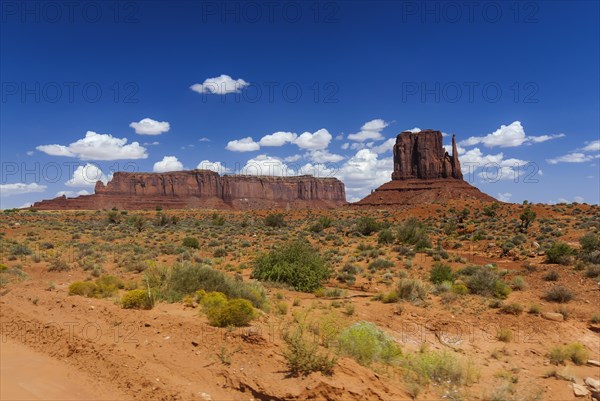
point(440, 272)
point(379, 264)
point(137, 299)
point(460, 289)
point(485, 281)
point(412, 290)
point(518, 283)
point(83, 288)
point(191, 242)
point(275, 220)
point(559, 253)
point(367, 343)
point(173, 284)
point(413, 232)
point(58, 265)
point(590, 242)
point(385, 236)
point(366, 225)
point(559, 294)
point(224, 313)
point(575, 352)
point(438, 367)
point(303, 357)
point(512, 309)
point(295, 263)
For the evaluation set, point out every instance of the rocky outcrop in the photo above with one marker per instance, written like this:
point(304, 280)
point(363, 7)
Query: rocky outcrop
point(206, 189)
point(421, 155)
point(423, 173)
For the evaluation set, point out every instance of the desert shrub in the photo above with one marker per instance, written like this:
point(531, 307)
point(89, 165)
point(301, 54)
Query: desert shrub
point(367, 343)
point(592, 271)
point(224, 313)
point(441, 272)
point(295, 263)
point(303, 357)
point(512, 309)
point(218, 220)
point(275, 220)
point(385, 236)
point(107, 286)
point(460, 289)
point(504, 335)
point(220, 252)
point(412, 290)
point(574, 352)
point(83, 288)
point(58, 265)
point(183, 279)
point(379, 264)
point(559, 252)
point(137, 299)
point(590, 242)
point(191, 242)
point(366, 225)
point(559, 294)
point(551, 276)
point(518, 283)
point(439, 367)
point(485, 281)
point(534, 309)
point(413, 232)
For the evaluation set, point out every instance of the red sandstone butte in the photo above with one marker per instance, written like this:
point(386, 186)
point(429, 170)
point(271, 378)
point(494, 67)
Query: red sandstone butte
point(205, 189)
point(423, 173)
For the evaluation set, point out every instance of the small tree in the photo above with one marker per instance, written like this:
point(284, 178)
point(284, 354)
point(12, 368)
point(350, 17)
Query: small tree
point(527, 217)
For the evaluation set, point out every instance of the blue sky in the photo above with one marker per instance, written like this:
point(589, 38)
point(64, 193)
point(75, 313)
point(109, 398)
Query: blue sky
point(301, 87)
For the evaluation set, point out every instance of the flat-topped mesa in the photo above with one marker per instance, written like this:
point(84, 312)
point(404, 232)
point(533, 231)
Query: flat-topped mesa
point(421, 155)
point(206, 189)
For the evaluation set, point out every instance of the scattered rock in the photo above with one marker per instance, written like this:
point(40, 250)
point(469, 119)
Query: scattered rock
point(592, 383)
point(194, 343)
point(556, 317)
point(580, 391)
point(206, 397)
point(593, 362)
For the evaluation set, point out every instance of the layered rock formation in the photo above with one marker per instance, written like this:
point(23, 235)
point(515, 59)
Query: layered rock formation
point(423, 173)
point(205, 189)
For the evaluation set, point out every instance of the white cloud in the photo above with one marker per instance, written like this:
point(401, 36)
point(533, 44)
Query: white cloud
point(576, 157)
point(317, 170)
point(71, 194)
point(220, 85)
point(345, 146)
point(86, 176)
point(318, 140)
point(97, 147)
point(30, 153)
point(267, 165)
point(278, 139)
point(242, 145)
point(364, 171)
point(578, 199)
point(593, 146)
point(292, 158)
point(155, 143)
point(504, 197)
point(168, 163)
point(369, 131)
point(414, 130)
point(20, 188)
point(507, 136)
point(323, 156)
point(339, 137)
point(217, 167)
point(386, 146)
point(25, 205)
point(148, 126)
point(204, 139)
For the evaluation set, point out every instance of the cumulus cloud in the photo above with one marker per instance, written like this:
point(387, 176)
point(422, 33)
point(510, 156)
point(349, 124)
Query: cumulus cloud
point(168, 163)
point(267, 165)
point(278, 139)
point(363, 172)
point(414, 130)
point(204, 139)
point(242, 145)
point(370, 131)
point(20, 188)
point(323, 156)
point(217, 167)
point(386, 146)
point(86, 176)
point(148, 126)
point(507, 136)
point(504, 197)
point(593, 146)
point(97, 147)
point(72, 194)
point(292, 158)
point(220, 85)
point(318, 140)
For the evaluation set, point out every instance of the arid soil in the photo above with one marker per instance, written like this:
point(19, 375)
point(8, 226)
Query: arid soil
point(61, 346)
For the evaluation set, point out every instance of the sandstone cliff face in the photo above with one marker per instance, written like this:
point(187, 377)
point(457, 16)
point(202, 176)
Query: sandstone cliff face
point(206, 189)
point(421, 155)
